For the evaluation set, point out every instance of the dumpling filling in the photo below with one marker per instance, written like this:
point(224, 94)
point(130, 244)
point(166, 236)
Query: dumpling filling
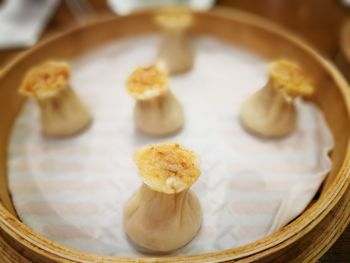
point(147, 82)
point(46, 79)
point(167, 167)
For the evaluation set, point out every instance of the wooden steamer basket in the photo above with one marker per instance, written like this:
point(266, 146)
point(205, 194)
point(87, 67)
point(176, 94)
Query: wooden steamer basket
point(304, 239)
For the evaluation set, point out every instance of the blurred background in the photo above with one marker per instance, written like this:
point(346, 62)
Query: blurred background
point(324, 24)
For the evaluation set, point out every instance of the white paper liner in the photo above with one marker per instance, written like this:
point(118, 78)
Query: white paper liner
point(73, 190)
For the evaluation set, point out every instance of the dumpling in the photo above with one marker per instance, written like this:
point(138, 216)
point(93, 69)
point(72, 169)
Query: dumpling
point(175, 51)
point(164, 215)
point(62, 112)
point(270, 112)
point(157, 112)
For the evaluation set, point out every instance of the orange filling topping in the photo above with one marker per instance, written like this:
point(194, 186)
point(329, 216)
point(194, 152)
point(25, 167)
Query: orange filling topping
point(147, 82)
point(167, 167)
point(174, 19)
point(45, 79)
point(290, 79)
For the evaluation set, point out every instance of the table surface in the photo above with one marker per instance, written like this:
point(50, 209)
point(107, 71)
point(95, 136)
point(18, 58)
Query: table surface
point(317, 21)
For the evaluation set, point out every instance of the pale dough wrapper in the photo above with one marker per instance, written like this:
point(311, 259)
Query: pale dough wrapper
point(62, 111)
point(164, 215)
point(270, 112)
point(157, 112)
point(175, 52)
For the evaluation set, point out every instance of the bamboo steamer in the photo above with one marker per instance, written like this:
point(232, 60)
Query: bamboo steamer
point(303, 240)
point(342, 58)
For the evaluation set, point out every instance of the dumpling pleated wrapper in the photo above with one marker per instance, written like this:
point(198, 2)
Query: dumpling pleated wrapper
point(62, 112)
point(164, 215)
point(270, 112)
point(175, 52)
point(157, 112)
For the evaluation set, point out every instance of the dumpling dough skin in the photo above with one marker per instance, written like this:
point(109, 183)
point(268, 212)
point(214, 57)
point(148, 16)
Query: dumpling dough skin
point(162, 223)
point(164, 215)
point(175, 52)
point(159, 116)
point(64, 115)
point(270, 112)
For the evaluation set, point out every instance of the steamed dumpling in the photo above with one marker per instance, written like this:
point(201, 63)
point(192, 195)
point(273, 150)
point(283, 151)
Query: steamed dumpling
point(175, 51)
point(157, 112)
point(62, 112)
point(164, 215)
point(270, 112)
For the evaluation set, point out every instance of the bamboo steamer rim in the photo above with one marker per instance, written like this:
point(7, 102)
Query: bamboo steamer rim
point(253, 251)
point(345, 40)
